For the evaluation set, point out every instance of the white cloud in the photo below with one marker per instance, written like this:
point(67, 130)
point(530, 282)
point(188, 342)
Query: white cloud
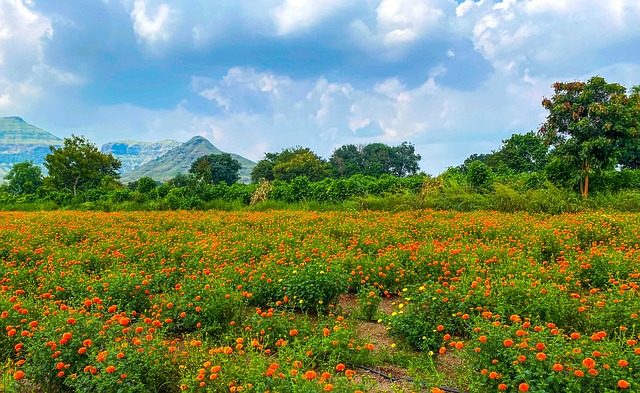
point(151, 28)
point(294, 15)
point(324, 114)
point(23, 36)
point(5, 100)
point(406, 20)
point(545, 35)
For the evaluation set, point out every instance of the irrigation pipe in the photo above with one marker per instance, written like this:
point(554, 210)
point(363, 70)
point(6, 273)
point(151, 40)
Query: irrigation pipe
point(393, 379)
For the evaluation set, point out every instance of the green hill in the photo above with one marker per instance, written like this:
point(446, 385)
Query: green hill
point(179, 159)
point(133, 154)
point(21, 141)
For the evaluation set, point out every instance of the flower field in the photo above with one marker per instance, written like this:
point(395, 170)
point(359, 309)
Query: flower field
point(250, 301)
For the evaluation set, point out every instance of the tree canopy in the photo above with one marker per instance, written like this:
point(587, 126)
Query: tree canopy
point(375, 159)
point(216, 168)
point(78, 165)
point(289, 164)
point(588, 123)
point(24, 178)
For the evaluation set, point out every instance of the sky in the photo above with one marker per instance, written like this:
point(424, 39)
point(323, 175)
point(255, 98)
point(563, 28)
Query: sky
point(453, 77)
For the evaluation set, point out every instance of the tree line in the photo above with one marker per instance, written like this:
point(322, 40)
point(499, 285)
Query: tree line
point(589, 141)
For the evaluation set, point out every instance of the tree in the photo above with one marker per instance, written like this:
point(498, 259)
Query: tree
point(630, 147)
point(347, 161)
point(522, 153)
point(380, 159)
point(216, 168)
point(79, 165)
point(289, 164)
point(145, 185)
point(303, 163)
point(264, 168)
point(404, 160)
point(479, 175)
point(587, 123)
point(24, 178)
point(484, 157)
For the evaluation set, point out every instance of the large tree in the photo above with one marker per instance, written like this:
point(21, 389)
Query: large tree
point(289, 164)
point(216, 168)
point(630, 147)
point(375, 159)
point(347, 160)
point(79, 165)
point(587, 123)
point(522, 153)
point(24, 178)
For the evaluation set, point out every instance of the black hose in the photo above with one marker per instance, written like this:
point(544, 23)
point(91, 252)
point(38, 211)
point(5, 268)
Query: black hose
point(393, 379)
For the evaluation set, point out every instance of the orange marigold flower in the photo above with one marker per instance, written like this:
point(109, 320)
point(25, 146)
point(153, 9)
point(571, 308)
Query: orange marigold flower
point(340, 367)
point(623, 384)
point(541, 356)
point(18, 375)
point(508, 342)
point(623, 363)
point(558, 367)
point(589, 363)
point(293, 332)
point(523, 387)
point(110, 369)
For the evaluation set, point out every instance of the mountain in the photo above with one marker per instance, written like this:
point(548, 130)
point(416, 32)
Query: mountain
point(133, 154)
point(21, 141)
point(179, 159)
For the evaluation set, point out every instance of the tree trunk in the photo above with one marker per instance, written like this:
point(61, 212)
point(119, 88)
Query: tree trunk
point(585, 191)
point(75, 186)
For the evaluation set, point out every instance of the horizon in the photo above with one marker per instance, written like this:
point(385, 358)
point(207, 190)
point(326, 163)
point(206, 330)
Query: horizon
point(451, 77)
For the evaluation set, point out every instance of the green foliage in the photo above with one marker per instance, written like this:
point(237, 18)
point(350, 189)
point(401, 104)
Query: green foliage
point(587, 124)
point(303, 163)
point(368, 302)
point(216, 168)
point(146, 185)
point(522, 153)
point(479, 176)
point(24, 178)
point(315, 287)
point(79, 165)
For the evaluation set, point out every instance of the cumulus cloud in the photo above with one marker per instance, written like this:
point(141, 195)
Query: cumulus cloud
point(23, 36)
point(406, 20)
point(294, 15)
point(151, 26)
point(545, 35)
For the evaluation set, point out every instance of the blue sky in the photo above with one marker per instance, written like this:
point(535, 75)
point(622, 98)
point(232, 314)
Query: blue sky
point(452, 77)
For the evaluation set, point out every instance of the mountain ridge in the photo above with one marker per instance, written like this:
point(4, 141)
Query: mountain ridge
point(178, 160)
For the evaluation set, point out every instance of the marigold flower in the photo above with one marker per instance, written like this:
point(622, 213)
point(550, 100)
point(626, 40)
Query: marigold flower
point(623, 384)
point(589, 363)
point(523, 387)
